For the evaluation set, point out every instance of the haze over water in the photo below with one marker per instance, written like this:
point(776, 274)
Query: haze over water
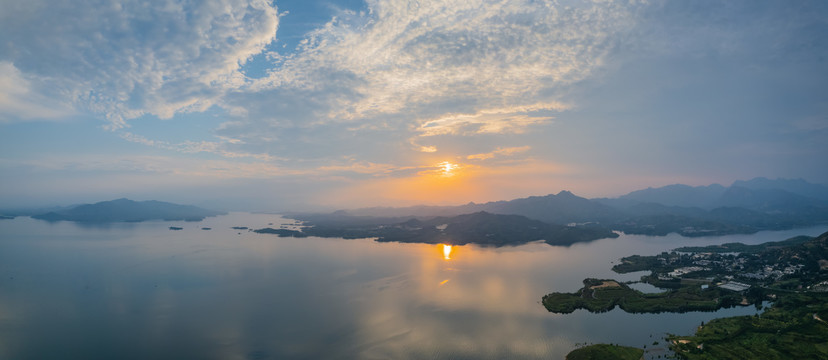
point(137, 291)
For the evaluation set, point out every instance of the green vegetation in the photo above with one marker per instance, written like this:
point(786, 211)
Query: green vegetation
point(604, 295)
point(637, 263)
point(792, 329)
point(605, 352)
point(742, 248)
point(794, 272)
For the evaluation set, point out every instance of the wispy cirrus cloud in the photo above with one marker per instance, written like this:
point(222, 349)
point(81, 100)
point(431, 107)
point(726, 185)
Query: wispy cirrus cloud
point(411, 69)
point(128, 58)
point(507, 151)
point(399, 68)
point(403, 55)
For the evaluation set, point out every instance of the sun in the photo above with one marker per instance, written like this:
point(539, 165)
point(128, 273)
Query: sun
point(447, 169)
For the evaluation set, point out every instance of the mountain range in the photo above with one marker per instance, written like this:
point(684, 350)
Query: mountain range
point(125, 210)
point(743, 207)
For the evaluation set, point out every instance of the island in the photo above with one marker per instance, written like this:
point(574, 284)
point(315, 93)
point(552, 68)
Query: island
point(792, 274)
point(478, 228)
point(281, 232)
point(604, 295)
point(125, 210)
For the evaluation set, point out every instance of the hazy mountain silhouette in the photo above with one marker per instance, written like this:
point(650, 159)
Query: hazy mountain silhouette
point(678, 195)
point(128, 211)
point(744, 207)
point(563, 208)
point(795, 186)
point(759, 194)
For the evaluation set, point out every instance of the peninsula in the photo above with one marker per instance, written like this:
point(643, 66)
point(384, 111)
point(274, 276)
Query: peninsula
point(793, 274)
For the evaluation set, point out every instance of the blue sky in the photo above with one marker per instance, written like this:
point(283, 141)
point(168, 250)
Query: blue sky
point(273, 105)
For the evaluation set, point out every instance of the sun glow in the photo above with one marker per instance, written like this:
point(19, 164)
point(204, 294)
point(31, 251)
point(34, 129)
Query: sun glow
point(447, 169)
point(446, 252)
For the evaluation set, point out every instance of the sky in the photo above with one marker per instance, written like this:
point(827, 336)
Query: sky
point(309, 104)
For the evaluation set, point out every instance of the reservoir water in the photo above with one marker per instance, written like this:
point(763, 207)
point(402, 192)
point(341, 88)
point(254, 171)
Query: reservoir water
point(143, 291)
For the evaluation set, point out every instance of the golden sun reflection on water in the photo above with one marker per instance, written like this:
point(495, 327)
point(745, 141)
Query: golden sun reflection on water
point(446, 252)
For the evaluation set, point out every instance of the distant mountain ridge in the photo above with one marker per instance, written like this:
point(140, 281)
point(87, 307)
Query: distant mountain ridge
point(794, 186)
point(755, 194)
point(743, 207)
point(678, 195)
point(125, 210)
point(562, 208)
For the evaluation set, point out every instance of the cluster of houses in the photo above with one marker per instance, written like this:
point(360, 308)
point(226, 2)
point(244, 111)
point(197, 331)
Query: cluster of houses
point(685, 270)
point(730, 264)
point(772, 272)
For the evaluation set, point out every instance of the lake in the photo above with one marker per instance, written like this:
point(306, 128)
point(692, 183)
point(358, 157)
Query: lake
point(143, 291)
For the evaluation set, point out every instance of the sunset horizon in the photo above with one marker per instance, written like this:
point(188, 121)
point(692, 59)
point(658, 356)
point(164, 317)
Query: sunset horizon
point(413, 179)
point(272, 106)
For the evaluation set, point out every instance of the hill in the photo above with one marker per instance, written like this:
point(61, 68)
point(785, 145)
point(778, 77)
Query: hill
point(759, 194)
point(125, 210)
point(478, 228)
point(744, 207)
point(562, 208)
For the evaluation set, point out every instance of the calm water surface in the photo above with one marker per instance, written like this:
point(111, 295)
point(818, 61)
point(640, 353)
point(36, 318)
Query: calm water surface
point(142, 291)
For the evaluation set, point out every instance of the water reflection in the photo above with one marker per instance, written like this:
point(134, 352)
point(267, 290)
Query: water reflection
point(147, 292)
point(446, 252)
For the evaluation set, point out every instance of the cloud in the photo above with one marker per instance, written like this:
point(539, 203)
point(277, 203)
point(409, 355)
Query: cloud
point(128, 58)
point(499, 152)
point(365, 86)
point(165, 166)
point(498, 121)
point(428, 68)
point(191, 147)
point(406, 55)
point(21, 100)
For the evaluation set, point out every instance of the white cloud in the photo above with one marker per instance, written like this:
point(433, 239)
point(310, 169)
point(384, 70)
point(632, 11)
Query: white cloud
point(379, 78)
point(508, 151)
point(191, 147)
point(129, 58)
point(19, 98)
point(404, 56)
point(408, 69)
point(480, 123)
